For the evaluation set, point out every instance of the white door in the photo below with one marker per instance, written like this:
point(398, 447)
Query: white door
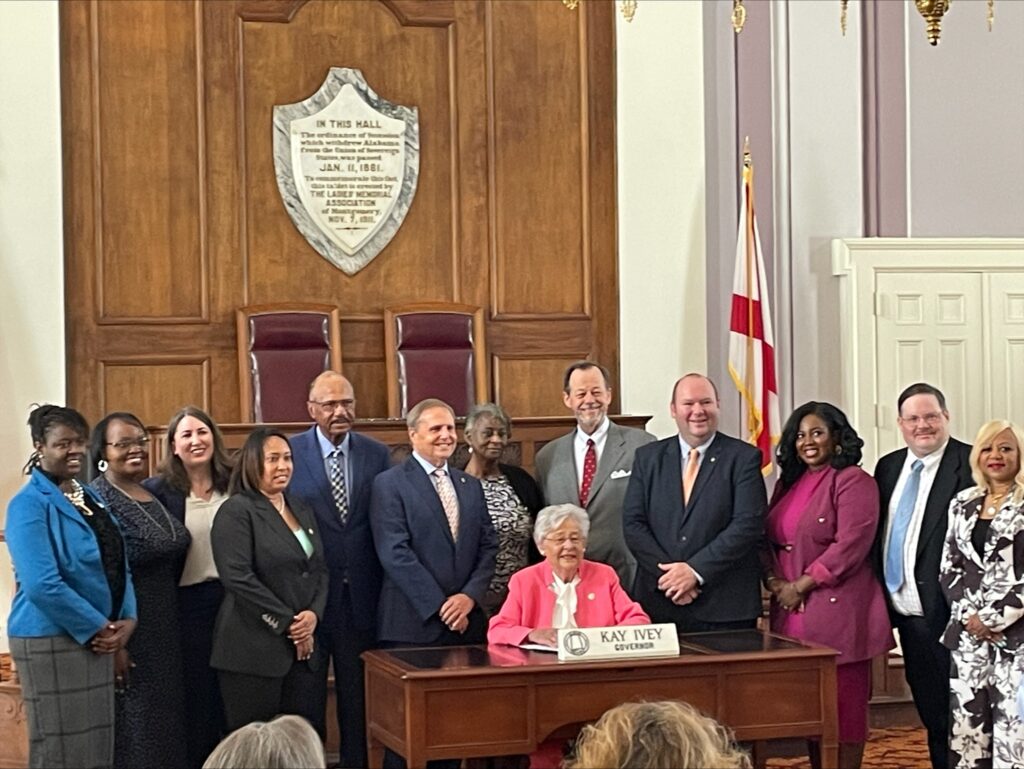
point(930, 327)
point(1005, 303)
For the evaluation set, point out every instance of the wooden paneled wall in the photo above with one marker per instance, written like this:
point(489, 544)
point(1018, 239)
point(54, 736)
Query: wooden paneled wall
point(173, 217)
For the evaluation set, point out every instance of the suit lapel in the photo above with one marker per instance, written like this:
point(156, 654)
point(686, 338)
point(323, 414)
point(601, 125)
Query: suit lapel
point(356, 464)
point(708, 467)
point(611, 457)
point(936, 508)
point(562, 477)
point(269, 515)
point(312, 462)
point(424, 486)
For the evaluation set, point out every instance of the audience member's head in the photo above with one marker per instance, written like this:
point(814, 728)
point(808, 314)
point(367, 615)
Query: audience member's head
point(652, 735)
point(287, 742)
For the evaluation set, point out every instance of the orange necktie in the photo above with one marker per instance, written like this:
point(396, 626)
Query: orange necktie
point(690, 476)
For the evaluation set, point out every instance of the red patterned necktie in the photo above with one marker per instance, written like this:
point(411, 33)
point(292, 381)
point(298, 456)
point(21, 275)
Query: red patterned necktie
point(589, 470)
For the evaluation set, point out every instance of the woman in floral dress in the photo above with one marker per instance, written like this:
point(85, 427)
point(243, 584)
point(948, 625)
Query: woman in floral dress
point(982, 576)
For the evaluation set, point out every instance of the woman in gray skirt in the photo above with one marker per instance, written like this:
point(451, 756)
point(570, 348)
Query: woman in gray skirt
point(74, 606)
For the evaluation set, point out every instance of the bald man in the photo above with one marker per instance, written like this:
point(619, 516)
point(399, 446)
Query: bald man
point(334, 472)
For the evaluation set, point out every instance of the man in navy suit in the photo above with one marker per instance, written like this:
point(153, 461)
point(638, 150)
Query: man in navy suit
point(693, 516)
point(437, 545)
point(334, 470)
point(434, 538)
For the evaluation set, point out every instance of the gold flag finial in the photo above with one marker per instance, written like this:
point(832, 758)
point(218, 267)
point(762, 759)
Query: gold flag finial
point(739, 15)
point(748, 161)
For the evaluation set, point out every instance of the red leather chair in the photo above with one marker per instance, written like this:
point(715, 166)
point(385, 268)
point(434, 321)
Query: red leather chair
point(434, 350)
point(281, 348)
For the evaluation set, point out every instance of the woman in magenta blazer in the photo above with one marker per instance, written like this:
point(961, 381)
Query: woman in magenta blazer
point(819, 531)
point(564, 590)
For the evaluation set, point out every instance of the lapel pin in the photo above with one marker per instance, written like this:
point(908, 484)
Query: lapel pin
point(711, 459)
point(310, 531)
point(462, 479)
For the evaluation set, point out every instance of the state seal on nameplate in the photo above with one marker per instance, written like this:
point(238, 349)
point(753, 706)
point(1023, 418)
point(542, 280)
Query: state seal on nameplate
point(346, 163)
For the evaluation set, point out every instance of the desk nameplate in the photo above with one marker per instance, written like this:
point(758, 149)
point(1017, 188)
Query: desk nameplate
point(617, 642)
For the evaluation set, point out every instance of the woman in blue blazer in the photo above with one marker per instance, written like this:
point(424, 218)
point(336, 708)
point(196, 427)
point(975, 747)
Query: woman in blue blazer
point(74, 606)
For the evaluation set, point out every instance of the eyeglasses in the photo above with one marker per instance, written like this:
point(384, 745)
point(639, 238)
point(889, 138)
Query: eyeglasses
point(127, 443)
point(932, 419)
point(347, 404)
point(558, 541)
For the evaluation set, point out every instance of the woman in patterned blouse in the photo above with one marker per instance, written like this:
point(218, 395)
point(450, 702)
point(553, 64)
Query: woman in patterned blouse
point(513, 497)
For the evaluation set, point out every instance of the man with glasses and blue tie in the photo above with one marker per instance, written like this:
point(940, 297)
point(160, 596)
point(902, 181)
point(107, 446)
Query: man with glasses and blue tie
point(334, 472)
point(915, 486)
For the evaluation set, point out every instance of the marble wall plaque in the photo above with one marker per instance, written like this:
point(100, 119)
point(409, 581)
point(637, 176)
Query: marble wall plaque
point(346, 163)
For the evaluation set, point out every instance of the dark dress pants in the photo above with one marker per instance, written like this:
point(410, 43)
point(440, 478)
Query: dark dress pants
point(204, 709)
point(476, 633)
point(926, 666)
point(345, 642)
point(302, 691)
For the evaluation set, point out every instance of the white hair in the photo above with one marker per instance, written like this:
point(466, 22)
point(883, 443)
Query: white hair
point(287, 742)
point(553, 516)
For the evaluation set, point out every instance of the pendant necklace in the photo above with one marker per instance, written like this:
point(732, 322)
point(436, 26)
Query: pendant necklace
point(77, 497)
point(170, 531)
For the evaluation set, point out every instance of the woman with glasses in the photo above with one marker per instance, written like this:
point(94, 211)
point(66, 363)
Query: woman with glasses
point(564, 590)
point(148, 672)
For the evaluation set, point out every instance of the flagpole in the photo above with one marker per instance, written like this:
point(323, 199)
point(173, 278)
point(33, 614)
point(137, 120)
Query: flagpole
point(748, 194)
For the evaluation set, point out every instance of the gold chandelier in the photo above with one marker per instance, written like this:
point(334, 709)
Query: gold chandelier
point(628, 7)
point(931, 10)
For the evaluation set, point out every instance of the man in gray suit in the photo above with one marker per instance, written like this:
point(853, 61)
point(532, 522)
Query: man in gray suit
point(591, 465)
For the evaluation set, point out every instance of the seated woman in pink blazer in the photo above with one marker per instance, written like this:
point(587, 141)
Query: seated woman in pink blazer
point(819, 531)
point(564, 590)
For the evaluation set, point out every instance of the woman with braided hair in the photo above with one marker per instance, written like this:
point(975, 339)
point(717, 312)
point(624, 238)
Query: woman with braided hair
point(74, 605)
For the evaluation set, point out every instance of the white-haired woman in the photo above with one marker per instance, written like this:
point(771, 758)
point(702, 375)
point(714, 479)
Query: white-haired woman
point(564, 590)
point(287, 742)
point(982, 576)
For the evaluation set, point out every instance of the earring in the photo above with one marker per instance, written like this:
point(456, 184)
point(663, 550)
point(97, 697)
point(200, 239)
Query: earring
point(102, 465)
point(839, 450)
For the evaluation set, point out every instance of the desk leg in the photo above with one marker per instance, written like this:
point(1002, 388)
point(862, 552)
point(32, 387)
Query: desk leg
point(374, 752)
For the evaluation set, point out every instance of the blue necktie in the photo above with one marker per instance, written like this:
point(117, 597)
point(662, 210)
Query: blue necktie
point(900, 524)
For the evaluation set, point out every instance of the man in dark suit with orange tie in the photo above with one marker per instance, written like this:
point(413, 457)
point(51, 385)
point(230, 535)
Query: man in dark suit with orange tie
point(915, 487)
point(694, 516)
point(334, 469)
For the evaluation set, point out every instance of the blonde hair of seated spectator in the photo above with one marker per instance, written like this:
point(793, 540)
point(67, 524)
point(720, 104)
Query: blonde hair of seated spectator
point(287, 742)
point(652, 735)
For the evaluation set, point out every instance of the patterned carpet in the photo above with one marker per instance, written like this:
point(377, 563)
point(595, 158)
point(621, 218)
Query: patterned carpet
point(903, 747)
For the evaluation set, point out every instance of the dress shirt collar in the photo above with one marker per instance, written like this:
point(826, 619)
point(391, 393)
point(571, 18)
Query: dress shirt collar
point(685, 447)
point(327, 448)
point(930, 461)
point(429, 468)
point(597, 436)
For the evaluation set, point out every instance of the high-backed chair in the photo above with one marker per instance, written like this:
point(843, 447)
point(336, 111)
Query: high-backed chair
point(281, 348)
point(434, 350)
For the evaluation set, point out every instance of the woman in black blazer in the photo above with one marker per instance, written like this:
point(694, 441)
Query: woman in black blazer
point(271, 562)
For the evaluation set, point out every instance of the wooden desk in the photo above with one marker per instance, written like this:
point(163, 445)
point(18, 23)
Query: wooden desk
point(467, 701)
point(528, 435)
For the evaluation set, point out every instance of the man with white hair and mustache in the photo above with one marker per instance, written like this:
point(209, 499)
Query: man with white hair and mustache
point(334, 472)
point(915, 486)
